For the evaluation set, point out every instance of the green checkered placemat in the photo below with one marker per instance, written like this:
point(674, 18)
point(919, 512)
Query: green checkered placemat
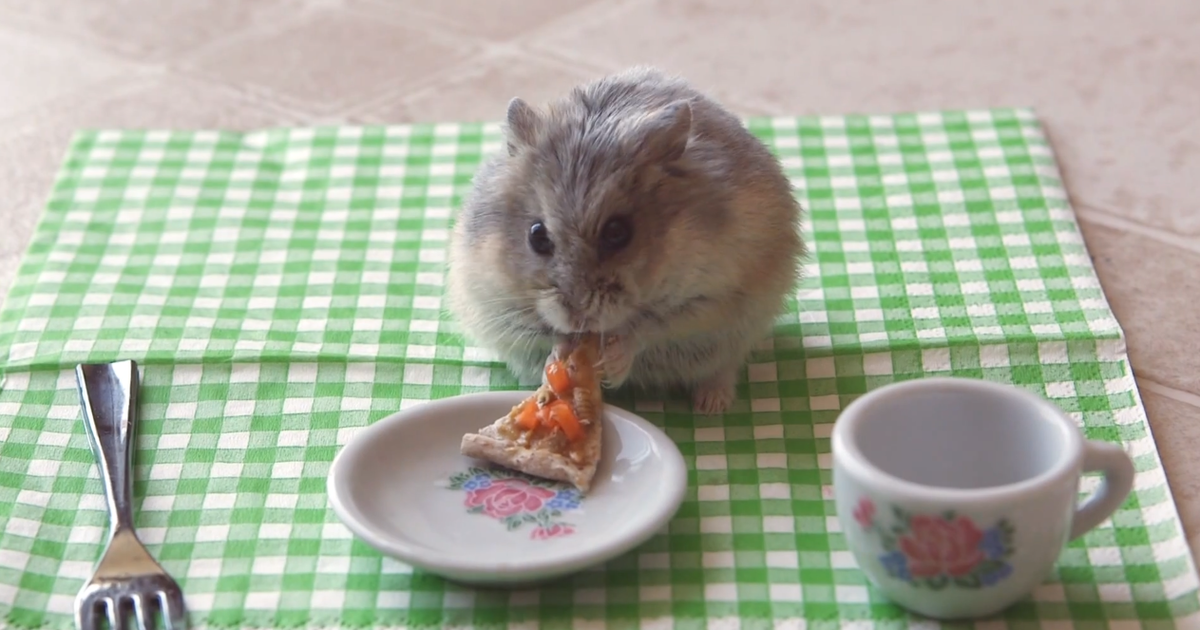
point(282, 289)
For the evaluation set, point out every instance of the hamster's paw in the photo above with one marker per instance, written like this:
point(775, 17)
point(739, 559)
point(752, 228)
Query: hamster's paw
point(617, 360)
point(714, 395)
point(562, 348)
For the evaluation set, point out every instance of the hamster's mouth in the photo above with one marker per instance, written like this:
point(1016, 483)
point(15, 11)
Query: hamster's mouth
point(662, 312)
point(654, 315)
point(590, 329)
point(552, 318)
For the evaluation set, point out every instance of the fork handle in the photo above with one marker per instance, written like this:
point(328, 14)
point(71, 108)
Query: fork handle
point(108, 395)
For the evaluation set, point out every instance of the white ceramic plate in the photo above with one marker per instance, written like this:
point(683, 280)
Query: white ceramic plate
point(402, 486)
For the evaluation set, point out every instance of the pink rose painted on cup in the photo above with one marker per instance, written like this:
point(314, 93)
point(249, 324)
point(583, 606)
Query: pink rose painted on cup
point(508, 497)
point(940, 550)
point(938, 546)
point(553, 531)
point(864, 513)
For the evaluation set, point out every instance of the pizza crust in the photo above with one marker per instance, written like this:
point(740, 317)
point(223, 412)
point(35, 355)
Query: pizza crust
point(549, 455)
point(489, 445)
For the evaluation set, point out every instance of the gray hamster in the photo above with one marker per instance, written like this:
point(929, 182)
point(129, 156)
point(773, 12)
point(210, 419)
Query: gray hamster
point(638, 208)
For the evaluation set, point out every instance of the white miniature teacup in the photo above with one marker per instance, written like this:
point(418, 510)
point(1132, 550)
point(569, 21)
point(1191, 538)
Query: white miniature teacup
point(956, 496)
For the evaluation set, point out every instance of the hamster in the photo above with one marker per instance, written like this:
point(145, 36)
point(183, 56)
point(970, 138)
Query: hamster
point(638, 208)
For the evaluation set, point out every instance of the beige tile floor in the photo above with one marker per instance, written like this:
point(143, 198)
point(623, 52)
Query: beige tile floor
point(1117, 83)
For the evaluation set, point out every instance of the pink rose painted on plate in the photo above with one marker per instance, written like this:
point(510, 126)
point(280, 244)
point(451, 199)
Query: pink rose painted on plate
point(553, 531)
point(516, 499)
point(509, 497)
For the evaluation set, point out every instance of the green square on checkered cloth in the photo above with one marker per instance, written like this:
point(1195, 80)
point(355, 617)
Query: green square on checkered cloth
point(283, 289)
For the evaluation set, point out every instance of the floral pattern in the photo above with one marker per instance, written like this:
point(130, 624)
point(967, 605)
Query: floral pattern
point(516, 499)
point(553, 531)
point(937, 550)
point(864, 513)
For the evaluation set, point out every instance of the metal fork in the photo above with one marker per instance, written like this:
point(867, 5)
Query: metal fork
point(127, 580)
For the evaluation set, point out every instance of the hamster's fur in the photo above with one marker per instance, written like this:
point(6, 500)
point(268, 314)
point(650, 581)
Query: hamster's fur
point(664, 225)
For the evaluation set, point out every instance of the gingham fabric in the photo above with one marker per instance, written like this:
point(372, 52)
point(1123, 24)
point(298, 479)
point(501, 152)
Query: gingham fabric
point(282, 289)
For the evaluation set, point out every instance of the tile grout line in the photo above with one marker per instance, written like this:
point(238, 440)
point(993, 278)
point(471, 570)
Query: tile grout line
point(530, 43)
point(405, 94)
point(303, 111)
point(570, 60)
point(1108, 218)
point(596, 11)
point(176, 68)
point(1165, 391)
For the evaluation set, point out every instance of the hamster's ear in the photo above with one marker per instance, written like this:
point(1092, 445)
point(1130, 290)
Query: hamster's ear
point(663, 135)
point(522, 125)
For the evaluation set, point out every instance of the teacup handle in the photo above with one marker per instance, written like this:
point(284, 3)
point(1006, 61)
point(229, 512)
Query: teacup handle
point(1116, 466)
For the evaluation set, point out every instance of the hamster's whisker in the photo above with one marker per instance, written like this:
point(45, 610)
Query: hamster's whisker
point(509, 311)
point(503, 323)
point(519, 339)
point(505, 315)
point(509, 299)
point(600, 355)
point(526, 340)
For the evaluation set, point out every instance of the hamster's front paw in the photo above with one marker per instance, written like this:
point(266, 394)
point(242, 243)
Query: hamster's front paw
point(715, 394)
point(617, 360)
point(562, 348)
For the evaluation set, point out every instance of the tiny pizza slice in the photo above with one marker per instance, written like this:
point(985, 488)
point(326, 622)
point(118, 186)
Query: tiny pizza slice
point(555, 433)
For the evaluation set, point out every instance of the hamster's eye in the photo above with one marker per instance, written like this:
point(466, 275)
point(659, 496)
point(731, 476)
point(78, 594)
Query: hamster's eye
point(539, 239)
point(616, 233)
